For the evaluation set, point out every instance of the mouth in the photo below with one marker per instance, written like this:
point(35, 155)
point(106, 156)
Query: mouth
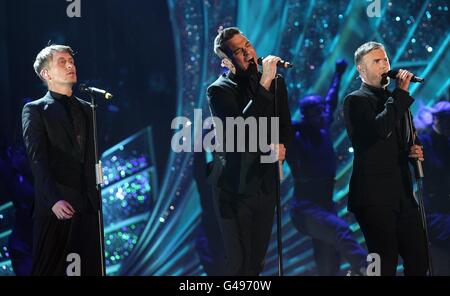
point(71, 73)
point(250, 60)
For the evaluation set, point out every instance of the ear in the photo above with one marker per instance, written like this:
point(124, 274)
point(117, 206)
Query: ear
point(359, 68)
point(227, 63)
point(45, 75)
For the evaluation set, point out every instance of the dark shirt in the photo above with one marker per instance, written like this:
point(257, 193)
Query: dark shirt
point(76, 116)
point(78, 120)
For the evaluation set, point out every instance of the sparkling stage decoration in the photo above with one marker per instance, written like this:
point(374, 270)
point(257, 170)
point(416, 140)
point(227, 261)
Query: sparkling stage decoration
point(128, 194)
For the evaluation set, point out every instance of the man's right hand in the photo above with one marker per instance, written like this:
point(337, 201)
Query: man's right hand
point(63, 210)
point(404, 79)
point(269, 71)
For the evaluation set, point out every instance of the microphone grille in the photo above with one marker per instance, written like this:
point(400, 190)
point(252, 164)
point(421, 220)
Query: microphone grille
point(392, 73)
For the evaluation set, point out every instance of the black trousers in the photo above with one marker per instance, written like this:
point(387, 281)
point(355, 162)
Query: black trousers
point(246, 227)
point(55, 239)
point(392, 232)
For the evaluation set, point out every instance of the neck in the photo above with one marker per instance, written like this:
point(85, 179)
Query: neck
point(61, 89)
point(375, 86)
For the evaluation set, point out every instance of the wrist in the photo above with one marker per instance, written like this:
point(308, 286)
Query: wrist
point(265, 83)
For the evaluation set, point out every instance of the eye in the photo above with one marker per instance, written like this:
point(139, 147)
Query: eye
point(238, 51)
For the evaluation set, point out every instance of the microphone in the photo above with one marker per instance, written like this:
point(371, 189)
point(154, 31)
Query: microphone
point(282, 64)
point(393, 74)
point(95, 91)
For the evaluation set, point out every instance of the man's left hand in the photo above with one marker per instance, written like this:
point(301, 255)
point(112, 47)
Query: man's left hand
point(280, 151)
point(416, 152)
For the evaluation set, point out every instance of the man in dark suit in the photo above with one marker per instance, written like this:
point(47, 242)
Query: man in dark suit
point(245, 186)
point(58, 135)
point(381, 195)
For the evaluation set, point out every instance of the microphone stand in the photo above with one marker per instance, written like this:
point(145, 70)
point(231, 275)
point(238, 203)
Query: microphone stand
point(278, 174)
point(99, 182)
point(418, 173)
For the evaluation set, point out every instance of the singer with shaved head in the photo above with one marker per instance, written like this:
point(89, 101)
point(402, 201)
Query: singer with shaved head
point(245, 188)
point(58, 134)
point(381, 189)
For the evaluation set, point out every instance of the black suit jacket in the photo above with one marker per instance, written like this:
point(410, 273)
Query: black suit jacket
point(60, 171)
point(228, 96)
point(376, 124)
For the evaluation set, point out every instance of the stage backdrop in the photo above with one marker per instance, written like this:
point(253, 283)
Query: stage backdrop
point(312, 35)
point(164, 208)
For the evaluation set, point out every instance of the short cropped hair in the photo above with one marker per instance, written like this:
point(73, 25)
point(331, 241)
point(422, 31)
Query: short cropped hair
point(221, 38)
point(365, 49)
point(46, 55)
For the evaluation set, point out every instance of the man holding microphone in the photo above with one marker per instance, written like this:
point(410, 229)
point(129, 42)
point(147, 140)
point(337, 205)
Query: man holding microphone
point(381, 191)
point(245, 188)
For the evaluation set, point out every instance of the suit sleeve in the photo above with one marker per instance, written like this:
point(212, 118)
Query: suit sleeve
point(221, 102)
point(36, 143)
point(362, 114)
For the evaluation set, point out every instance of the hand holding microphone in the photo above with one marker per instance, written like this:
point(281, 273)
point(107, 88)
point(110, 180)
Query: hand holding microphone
point(270, 64)
point(280, 63)
point(404, 78)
